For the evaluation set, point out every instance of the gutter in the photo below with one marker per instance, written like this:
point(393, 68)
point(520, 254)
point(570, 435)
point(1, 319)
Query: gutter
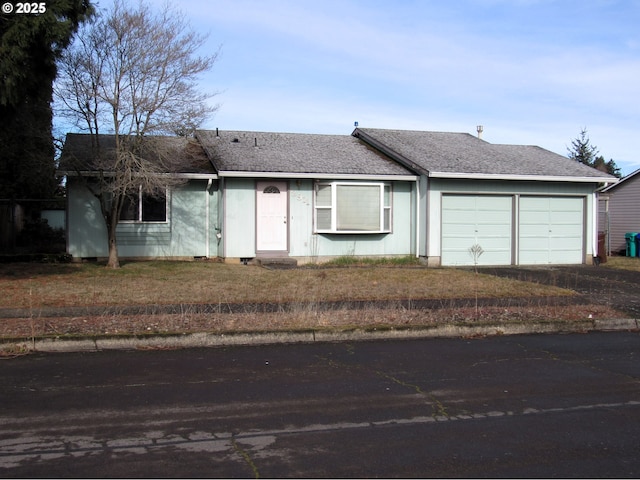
point(317, 176)
point(93, 173)
point(533, 178)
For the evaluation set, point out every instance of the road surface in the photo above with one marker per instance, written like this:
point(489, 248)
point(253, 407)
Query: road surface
point(512, 406)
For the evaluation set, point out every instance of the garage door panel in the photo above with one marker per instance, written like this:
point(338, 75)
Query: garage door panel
point(476, 219)
point(566, 217)
point(459, 217)
point(551, 230)
point(490, 219)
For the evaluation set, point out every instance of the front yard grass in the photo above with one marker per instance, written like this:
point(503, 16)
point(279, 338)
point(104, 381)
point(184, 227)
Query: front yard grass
point(624, 263)
point(31, 285)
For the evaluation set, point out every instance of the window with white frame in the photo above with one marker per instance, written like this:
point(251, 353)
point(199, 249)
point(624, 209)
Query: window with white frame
point(144, 208)
point(350, 207)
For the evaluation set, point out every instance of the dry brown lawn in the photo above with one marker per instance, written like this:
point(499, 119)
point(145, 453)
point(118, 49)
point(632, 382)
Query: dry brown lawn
point(36, 286)
point(624, 263)
point(162, 282)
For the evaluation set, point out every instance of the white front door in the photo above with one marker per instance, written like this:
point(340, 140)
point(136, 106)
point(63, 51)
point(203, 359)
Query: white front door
point(271, 216)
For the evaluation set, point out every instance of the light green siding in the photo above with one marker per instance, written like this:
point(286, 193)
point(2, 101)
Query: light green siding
point(184, 234)
point(86, 229)
point(239, 227)
point(399, 242)
point(304, 244)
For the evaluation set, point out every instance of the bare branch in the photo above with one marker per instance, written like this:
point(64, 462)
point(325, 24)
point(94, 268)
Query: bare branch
point(133, 73)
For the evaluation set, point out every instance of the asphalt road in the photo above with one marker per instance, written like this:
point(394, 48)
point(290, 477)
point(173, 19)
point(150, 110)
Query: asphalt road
point(512, 406)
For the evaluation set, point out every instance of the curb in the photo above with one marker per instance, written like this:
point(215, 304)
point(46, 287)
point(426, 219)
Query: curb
point(206, 340)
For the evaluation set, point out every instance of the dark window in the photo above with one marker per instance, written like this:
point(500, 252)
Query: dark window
point(144, 208)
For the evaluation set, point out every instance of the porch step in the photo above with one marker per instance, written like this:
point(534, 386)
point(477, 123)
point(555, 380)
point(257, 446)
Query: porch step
point(277, 262)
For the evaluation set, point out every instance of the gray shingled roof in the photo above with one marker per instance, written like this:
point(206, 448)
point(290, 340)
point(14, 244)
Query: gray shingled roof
point(184, 156)
point(462, 153)
point(297, 153)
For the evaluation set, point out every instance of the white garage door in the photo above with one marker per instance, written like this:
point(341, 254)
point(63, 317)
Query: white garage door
point(484, 220)
point(551, 230)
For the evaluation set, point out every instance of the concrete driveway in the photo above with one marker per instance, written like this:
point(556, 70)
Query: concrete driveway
point(617, 288)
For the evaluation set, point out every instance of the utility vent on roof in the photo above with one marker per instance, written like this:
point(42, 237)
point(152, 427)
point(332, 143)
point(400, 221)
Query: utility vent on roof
point(235, 140)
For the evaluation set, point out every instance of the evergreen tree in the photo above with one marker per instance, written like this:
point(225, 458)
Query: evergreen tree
point(582, 151)
point(30, 44)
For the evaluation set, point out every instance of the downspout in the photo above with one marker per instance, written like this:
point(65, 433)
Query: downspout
point(206, 221)
point(594, 223)
point(427, 220)
point(418, 217)
point(607, 226)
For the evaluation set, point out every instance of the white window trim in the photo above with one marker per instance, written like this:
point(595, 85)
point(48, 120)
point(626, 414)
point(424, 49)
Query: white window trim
point(139, 220)
point(334, 211)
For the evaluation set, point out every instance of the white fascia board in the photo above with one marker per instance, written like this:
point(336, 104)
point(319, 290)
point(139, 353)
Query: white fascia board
point(196, 176)
point(533, 178)
point(317, 176)
point(189, 176)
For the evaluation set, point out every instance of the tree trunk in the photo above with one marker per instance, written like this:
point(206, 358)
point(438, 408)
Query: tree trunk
point(113, 261)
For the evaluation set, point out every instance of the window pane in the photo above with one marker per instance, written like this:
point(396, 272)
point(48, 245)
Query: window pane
point(323, 197)
point(358, 207)
point(387, 219)
point(130, 208)
point(323, 219)
point(387, 195)
point(154, 209)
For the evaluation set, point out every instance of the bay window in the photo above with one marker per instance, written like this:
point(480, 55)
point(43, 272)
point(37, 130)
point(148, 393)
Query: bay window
point(350, 207)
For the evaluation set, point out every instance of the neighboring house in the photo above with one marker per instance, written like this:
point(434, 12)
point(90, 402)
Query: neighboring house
point(522, 205)
point(619, 211)
point(374, 193)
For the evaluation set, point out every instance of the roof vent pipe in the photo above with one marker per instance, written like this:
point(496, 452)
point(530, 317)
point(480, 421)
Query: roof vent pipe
point(480, 129)
point(255, 141)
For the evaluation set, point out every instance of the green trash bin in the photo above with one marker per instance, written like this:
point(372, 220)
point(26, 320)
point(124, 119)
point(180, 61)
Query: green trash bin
point(631, 244)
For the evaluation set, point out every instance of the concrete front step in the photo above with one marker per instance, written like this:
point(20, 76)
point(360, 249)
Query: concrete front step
point(276, 262)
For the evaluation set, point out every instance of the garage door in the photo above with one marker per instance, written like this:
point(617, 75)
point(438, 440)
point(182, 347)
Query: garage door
point(485, 220)
point(551, 230)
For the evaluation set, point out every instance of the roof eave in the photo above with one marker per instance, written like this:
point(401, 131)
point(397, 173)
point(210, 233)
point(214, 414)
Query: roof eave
point(317, 176)
point(534, 178)
point(93, 173)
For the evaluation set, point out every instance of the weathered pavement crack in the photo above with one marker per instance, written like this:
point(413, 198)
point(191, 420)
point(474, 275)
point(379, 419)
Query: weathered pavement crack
point(246, 457)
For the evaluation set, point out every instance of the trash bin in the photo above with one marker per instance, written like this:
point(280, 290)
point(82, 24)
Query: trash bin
point(631, 239)
point(638, 245)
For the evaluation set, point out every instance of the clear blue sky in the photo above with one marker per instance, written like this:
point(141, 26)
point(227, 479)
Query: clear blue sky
point(530, 71)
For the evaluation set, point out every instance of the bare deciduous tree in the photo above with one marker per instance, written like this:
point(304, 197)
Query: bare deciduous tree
point(132, 74)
